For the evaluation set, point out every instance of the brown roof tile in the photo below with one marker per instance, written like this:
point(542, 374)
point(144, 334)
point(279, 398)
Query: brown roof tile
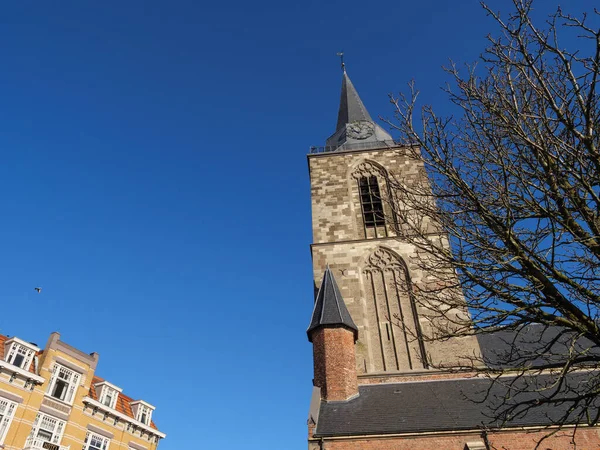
point(3, 339)
point(123, 401)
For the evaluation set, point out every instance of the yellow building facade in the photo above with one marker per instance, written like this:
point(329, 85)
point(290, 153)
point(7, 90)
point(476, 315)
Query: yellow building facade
point(51, 399)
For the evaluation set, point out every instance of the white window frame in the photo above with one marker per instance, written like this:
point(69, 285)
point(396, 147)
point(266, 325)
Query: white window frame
point(7, 413)
point(139, 408)
point(108, 392)
point(67, 376)
point(17, 348)
point(104, 441)
point(50, 424)
point(143, 409)
point(105, 389)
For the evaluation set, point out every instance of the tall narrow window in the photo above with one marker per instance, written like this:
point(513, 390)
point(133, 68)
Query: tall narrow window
point(144, 415)
point(108, 399)
point(370, 200)
point(7, 411)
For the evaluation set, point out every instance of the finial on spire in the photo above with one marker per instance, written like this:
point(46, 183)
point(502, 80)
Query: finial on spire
point(341, 55)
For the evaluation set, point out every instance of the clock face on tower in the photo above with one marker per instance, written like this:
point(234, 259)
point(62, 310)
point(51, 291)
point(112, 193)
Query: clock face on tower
point(361, 129)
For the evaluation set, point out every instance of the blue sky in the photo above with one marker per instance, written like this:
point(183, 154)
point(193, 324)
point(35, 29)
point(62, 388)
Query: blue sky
point(154, 183)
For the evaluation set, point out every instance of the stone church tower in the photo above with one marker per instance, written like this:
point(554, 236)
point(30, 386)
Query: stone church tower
point(378, 384)
point(354, 234)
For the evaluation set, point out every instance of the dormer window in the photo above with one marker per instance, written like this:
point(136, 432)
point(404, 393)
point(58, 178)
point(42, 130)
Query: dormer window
point(142, 411)
point(107, 393)
point(144, 415)
point(20, 353)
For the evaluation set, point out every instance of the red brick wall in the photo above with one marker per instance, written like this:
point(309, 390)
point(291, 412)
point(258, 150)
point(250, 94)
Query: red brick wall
point(334, 363)
point(585, 439)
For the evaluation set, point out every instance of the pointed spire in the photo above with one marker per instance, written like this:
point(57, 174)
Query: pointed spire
point(330, 309)
point(352, 108)
point(355, 127)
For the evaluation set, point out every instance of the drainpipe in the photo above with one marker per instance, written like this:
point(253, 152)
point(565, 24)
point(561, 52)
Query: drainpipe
point(486, 441)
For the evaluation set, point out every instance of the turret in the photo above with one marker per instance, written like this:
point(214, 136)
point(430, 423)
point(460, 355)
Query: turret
point(333, 334)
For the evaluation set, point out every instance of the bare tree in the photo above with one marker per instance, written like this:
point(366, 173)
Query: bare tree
point(512, 205)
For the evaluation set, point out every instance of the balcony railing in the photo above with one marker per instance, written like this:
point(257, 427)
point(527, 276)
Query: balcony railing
point(347, 146)
point(42, 444)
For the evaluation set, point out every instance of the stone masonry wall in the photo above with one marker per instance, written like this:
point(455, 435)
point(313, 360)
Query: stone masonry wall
point(339, 240)
point(336, 210)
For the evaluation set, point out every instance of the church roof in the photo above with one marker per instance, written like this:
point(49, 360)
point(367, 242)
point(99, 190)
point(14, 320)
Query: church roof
point(352, 108)
point(330, 309)
point(533, 345)
point(433, 406)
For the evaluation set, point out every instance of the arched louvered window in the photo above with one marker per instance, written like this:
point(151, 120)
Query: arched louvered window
point(370, 201)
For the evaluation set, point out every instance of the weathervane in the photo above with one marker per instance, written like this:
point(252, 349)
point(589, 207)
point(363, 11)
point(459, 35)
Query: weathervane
point(341, 55)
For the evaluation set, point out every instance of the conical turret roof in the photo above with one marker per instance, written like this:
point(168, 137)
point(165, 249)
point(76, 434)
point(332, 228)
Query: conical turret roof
point(330, 309)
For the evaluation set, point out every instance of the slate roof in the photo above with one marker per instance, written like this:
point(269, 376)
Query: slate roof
point(531, 345)
point(427, 406)
point(330, 308)
point(351, 106)
point(353, 110)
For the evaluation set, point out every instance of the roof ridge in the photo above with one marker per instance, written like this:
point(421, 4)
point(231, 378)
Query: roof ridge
point(337, 302)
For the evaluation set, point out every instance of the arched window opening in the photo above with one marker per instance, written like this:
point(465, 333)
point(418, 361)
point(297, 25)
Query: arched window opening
point(370, 202)
point(371, 191)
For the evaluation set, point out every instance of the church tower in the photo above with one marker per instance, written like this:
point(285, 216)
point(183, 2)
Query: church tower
point(354, 234)
point(372, 330)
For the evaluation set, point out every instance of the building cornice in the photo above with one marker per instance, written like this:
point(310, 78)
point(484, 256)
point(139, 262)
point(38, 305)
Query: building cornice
point(418, 434)
point(142, 402)
point(110, 385)
point(21, 372)
point(323, 154)
point(383, 238)
point(96, 404)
